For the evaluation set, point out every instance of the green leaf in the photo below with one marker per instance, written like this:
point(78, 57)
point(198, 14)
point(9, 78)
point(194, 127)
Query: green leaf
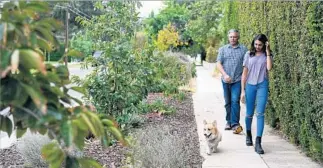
point(12, 93)
point(49, 23)
point(79, 89)
point(72, 162)
point(42, 130)
point(31, 60)
point(67, 132)
point(79, 133)
point(20, 132)
point(57, 91)
point(116, 133)
point(78, 109)
point(105, 140)
point(88, 163)
point(63, 73)
point(35, 95)
point(6, 124)
point(5, 59)
point(45, 34)
point(108, 123)
point(43, 44)
point(74, 53)
point(53, 77)
point(96, 122)
point(37, 6)
point(89, 124)
point(53, 155)
point(33, 39)
point(80, 123)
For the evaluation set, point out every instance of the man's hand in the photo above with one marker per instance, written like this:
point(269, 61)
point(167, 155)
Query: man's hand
point(227, 79)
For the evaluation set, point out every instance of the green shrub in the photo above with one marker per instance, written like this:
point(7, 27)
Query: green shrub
point(211, 54)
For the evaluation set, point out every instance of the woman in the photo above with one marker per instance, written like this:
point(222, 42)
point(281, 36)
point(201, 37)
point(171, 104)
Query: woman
point(254, 86)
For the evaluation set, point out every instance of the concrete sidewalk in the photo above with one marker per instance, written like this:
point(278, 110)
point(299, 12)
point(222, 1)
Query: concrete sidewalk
point(232, 151)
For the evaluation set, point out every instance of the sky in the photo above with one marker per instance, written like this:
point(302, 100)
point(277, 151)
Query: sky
point(148, 6)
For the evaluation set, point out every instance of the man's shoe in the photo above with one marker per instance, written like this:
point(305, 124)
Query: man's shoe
point(237, 129)
point(227, 127)
point(249, 138)
point(258, 147)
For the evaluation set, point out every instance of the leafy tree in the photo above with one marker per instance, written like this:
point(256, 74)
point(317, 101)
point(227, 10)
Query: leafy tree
point(118, 83)
point(82, 43)
point(204, 23)
point(167, 38)
point(36, 94)
point(175, 14)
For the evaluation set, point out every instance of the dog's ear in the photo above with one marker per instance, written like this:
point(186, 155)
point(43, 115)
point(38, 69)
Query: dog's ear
point(204, 122)
point(214, 123)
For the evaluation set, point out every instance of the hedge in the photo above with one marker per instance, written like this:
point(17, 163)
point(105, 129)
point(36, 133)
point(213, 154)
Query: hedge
point(295, 30)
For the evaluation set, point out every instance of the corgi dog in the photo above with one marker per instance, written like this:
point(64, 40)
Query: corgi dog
point(212, 136)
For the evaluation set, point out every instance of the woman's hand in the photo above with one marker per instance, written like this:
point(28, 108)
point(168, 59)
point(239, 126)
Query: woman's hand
point(243, 97)
point(267, 47)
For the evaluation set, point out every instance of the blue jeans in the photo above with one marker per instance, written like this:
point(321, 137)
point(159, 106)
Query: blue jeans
point(256, 94)
point(232, 93)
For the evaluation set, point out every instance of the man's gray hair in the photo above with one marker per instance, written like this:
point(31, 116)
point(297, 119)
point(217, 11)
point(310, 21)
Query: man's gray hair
point(234, 31)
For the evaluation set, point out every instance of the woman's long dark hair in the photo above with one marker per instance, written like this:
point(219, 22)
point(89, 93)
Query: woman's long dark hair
point(263, 39)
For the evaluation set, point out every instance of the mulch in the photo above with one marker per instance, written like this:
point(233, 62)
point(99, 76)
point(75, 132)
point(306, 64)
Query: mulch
point(182, 124)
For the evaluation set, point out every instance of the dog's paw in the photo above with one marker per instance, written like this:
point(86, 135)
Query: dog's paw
point(208, 152)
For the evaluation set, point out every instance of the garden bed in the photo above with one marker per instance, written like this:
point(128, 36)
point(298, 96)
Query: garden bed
point(176, 132)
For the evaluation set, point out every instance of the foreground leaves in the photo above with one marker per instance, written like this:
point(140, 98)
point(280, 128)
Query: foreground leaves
point(36, 93)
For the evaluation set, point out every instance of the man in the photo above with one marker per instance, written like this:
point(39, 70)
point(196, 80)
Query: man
point(229, 63)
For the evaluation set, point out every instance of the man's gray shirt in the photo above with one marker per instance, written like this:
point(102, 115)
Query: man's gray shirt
point(231, 59)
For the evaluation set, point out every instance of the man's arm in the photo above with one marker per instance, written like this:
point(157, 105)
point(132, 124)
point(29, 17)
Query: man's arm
point(226, 77)
point(219, 66)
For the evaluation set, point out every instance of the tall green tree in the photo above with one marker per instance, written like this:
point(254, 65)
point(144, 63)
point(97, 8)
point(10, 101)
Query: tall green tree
point(204, 23)
point(176, 14)
point(116, 85)
point(36, 94)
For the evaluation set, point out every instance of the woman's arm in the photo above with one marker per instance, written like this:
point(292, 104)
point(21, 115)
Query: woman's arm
point(243, 84)
point(269, 60)
point(244, 78)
